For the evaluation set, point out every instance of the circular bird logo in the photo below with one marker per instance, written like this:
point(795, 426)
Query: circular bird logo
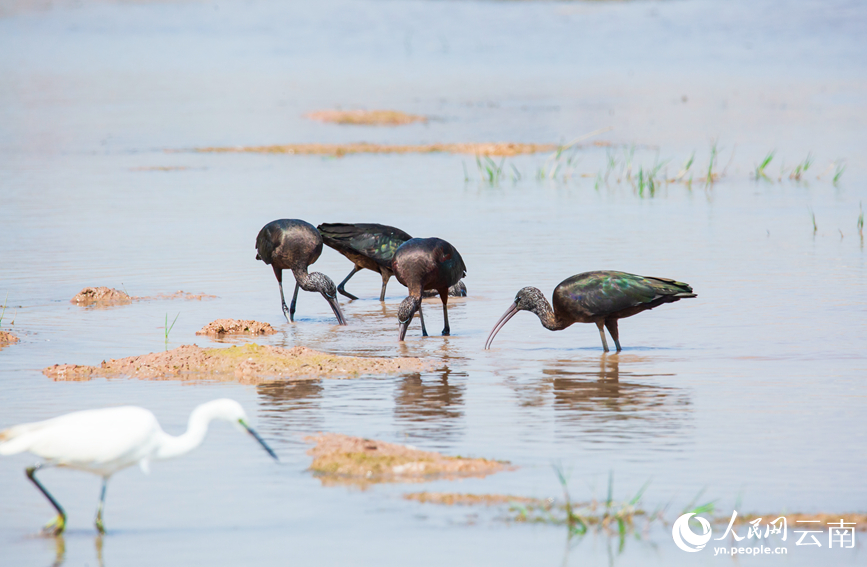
point(684, 537)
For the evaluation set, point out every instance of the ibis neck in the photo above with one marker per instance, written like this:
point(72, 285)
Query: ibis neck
point(303, 279)
point(546, 314)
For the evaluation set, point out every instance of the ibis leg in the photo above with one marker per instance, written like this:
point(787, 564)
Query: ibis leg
point(386, 275)
point(611, 325)
point(56, 526)
point(420, 316)
point(346, 279)
point(444, 295)
point(600, 324)
point(279, 274)
point(292, 305)
point(100, 527)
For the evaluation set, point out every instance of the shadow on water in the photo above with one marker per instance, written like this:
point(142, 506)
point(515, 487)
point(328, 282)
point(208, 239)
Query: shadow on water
point(606, 399)
point(432, 406)
point(298, 402)
point(60, 550)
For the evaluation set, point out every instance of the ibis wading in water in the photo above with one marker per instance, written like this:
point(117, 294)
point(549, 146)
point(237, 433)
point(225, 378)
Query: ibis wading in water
point(426, 264)
point(595, 297)
point(104, 441)
point(292, 244)
point(370, 246)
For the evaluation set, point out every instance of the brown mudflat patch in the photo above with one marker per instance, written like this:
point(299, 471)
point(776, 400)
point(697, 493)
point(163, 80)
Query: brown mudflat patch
point(365, 117)
point(459, 499)
point(105, 297)
point(222, 327)
point(247, 364)
point(7, 338)
point(505, 149)
point(341, 459)
point(101, 296)
point(160, 168)
point(180, 294)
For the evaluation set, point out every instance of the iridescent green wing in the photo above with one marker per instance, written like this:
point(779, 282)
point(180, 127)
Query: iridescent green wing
point(605, 292)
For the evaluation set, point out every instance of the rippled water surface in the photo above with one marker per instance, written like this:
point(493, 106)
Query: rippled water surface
point(752, 394)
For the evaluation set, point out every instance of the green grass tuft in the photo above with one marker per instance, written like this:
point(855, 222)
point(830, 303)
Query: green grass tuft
point(760, 169)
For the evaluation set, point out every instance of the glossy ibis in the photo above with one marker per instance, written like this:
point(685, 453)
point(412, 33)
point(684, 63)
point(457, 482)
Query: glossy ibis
point(104, 441)
point(426, 264)
point(292, 244)
point(372, 247)
point(595, 297)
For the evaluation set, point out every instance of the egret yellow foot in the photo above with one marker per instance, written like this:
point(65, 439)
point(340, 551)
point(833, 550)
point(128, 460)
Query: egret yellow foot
point(55, 526)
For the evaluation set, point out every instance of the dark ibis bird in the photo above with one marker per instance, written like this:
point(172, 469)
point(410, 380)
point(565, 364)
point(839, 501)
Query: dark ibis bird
point(595, 297)
point(292, 244)
point(371, 246)
point(426, 264)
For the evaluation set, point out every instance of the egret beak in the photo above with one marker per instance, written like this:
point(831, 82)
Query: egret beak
point(335, 306)
point(261, 441)
point(501, 323)
point(402, 329)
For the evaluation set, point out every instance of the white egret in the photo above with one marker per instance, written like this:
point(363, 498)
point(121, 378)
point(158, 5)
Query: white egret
point(104, 441)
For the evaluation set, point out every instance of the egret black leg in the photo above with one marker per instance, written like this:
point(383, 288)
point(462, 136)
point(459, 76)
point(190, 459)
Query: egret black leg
point(100, 527)
point(421, 316)
point(56, 526)
point(346, 279)
point(611, 325)
point(444, 295)
point(386, 275)
point(600, 324)
point(294, 301)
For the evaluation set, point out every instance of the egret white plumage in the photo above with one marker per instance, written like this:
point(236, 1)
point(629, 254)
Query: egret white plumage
point(104, 441)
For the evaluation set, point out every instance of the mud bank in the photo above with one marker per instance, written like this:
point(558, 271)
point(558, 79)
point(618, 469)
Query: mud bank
point(461, 499)
point(222, 327)
point(107, 297)
point(365, 117)
point(7, 338)
point(102, 296)
point(505, 149)
point(248, 364)
point(342, 459)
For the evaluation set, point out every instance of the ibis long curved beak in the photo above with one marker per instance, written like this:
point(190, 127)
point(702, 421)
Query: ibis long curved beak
point(404, 325)
point(335, 306)
point(256, 436)
point(501, 323)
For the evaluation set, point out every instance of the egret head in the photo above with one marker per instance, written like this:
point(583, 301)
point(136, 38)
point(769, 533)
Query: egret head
point(326, 287)
point(231, 411)
point(527, 299)
point(407, 309)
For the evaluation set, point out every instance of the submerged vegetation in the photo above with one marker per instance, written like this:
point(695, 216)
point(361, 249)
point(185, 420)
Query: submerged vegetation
point(623, 166)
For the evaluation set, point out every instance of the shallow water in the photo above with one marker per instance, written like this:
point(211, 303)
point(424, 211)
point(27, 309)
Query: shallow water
point(752, 393)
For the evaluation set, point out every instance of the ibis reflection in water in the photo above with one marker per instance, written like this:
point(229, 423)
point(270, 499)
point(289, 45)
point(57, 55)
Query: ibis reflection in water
point(595, 297)
point(292, 244)
point(104, 441)
point(372, 247)
point(426, 264)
